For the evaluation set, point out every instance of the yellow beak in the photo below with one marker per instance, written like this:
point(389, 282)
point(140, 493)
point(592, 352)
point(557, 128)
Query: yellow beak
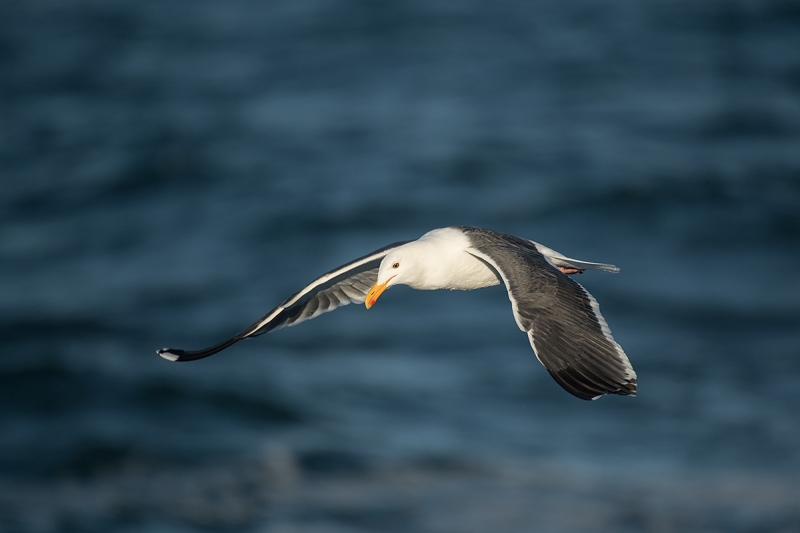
point(375, 292)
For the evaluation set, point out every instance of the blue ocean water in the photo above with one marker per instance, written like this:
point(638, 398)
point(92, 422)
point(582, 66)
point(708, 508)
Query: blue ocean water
point(171, 170)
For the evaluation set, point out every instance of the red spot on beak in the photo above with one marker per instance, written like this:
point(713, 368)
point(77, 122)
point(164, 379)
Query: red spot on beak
point(375, 292)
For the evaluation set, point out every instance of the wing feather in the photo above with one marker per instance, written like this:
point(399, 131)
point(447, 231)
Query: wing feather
point(567, 332)
point(341, 286)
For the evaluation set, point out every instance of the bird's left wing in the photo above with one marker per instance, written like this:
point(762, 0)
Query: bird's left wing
point(341, 286)
point(567, 332)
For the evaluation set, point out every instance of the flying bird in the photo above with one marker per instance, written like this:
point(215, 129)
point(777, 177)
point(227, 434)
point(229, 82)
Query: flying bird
point(566, 330)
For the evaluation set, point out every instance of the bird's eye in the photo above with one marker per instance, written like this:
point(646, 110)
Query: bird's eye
point(395, 265)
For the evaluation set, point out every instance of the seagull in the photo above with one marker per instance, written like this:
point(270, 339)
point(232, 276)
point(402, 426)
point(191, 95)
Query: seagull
point(568, 334)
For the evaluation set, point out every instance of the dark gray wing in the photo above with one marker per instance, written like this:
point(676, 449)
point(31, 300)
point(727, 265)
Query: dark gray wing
point(341, 286)
point(567, 332)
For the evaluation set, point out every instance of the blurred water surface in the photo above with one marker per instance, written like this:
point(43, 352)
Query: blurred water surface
point(171, 170)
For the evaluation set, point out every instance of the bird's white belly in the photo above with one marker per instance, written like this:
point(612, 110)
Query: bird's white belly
point(459, 272)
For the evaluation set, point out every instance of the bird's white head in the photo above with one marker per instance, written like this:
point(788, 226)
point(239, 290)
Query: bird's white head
point(396, 269)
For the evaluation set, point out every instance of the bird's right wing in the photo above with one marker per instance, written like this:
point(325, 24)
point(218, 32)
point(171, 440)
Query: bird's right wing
point(341, 286)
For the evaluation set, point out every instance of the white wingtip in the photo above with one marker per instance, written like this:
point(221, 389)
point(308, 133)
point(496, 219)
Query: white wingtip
point(166, 354)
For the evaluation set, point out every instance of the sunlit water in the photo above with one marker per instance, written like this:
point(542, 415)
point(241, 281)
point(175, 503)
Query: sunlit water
point(172, 170)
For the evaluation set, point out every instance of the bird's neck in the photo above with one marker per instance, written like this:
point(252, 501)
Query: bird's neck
point(444, 263)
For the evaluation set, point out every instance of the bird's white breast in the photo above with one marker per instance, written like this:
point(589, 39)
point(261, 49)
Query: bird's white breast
point(443, 256)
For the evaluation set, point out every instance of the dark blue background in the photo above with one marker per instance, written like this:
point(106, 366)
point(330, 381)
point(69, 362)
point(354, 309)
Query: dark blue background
point(171, 170)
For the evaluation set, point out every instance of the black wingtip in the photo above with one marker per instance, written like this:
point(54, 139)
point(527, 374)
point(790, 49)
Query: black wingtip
point(172, 354)
point(168, 354)
point(585, 388)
